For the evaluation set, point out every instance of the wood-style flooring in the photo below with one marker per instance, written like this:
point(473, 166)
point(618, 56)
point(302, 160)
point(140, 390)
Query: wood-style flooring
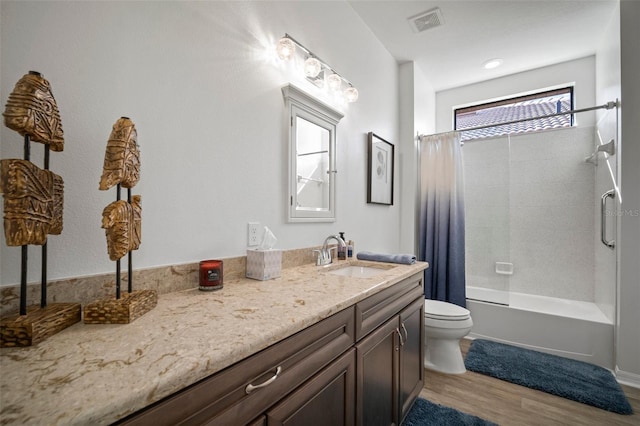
point(509, 404)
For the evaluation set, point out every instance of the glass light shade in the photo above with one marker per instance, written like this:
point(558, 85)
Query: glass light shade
point(312, 67)
point(285, 48)
point(351, 94)
point(334, 81)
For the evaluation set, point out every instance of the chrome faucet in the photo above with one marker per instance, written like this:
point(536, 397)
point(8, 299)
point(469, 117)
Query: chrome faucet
point(324, 255)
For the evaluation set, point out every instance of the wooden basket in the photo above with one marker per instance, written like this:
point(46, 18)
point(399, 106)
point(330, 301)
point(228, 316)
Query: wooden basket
point(38, 324)
point(121, 311)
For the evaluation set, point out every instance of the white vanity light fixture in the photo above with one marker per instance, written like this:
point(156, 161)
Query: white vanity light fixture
point(315, 69)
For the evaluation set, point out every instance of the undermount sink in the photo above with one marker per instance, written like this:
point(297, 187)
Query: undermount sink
point(356, 271)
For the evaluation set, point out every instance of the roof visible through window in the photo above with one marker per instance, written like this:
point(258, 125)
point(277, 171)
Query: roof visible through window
point(516, 108)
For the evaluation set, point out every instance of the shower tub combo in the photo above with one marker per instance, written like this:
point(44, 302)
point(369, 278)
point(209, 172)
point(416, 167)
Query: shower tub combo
point(568, 328)
point(554, 243)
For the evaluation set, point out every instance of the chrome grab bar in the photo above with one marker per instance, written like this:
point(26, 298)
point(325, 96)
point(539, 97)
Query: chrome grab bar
point(603, 219)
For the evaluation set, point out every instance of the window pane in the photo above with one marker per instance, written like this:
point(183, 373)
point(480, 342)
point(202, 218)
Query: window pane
point(540, 104)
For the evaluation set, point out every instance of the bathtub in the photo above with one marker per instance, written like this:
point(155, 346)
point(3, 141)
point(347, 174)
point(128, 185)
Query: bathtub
point(568, 328)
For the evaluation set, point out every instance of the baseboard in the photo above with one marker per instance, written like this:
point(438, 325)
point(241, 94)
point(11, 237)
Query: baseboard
point(626, 378)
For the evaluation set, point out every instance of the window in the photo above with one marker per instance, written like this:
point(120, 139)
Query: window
point(516, 108)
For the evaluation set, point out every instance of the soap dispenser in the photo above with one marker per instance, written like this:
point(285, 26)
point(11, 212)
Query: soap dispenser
point(342, 249)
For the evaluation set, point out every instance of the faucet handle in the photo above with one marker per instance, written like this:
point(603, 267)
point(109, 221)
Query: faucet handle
point(318, 257)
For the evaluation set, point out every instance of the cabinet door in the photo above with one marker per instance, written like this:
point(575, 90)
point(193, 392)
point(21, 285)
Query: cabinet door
point(377, 376)
point(326, 399)
point(411, 354)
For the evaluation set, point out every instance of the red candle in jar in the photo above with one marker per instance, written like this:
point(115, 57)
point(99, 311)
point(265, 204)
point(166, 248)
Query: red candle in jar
point(210, 275)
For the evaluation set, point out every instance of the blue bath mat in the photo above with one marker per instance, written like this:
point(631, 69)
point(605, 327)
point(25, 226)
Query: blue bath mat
point(568, 378)
point(425, 413)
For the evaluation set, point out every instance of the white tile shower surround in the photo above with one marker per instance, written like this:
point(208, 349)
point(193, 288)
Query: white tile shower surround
point(487, 211)
point(529, 200)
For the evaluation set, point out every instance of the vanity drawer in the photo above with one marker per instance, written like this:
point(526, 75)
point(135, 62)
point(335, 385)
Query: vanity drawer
point(377, 309)
point(223, 399)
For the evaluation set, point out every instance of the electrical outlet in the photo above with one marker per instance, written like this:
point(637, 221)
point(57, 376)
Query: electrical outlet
point(252, 233)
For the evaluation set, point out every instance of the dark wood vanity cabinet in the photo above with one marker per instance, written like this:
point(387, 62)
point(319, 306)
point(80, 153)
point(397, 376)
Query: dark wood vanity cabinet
point(390, 373)
point(362, 365)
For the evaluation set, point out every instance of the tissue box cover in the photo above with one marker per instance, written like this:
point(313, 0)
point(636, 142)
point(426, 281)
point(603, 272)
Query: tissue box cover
point(264, 264)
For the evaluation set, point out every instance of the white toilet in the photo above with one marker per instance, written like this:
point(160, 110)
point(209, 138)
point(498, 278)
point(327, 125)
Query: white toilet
point(444, 325)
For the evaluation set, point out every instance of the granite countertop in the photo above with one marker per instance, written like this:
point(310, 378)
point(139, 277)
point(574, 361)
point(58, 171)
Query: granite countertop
point(96, 374)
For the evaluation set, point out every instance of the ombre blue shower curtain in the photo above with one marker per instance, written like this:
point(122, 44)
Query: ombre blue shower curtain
point(441, 230)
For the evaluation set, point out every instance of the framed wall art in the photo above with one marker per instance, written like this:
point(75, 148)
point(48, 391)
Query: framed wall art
point(380, 171)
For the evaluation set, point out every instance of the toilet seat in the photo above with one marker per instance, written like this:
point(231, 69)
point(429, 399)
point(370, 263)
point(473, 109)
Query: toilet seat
point(438, 310)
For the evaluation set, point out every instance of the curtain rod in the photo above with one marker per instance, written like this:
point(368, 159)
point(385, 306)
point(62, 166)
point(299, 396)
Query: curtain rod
point(608, 105)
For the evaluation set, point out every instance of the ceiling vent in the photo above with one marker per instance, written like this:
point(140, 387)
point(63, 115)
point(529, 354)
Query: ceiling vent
point(426, 20)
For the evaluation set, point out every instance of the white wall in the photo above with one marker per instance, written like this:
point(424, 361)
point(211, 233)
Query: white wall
point(417, 115)
point(196, 79)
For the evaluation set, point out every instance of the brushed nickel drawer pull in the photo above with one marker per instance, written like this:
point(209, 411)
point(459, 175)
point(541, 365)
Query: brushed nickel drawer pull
point(400, 336)
point(406, 333)
point(250, 388)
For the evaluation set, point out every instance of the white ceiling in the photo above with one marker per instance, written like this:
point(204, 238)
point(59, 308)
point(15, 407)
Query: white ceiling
point(526, 34)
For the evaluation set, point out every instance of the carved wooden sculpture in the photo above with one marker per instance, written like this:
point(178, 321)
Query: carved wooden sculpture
point(136, 234)
point(33, 202)
point(32, 109)
point(122, 157)
point(123, 224)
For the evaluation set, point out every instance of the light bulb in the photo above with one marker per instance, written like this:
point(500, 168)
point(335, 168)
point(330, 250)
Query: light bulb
point(334, 81)
point(312, 67)
point(492, 63)
point(285, 48)
point(351, 94)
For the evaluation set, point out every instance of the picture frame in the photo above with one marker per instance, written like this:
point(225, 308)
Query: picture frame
point(380, 170)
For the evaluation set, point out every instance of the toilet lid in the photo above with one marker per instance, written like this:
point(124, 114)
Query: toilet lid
point(443, 310)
